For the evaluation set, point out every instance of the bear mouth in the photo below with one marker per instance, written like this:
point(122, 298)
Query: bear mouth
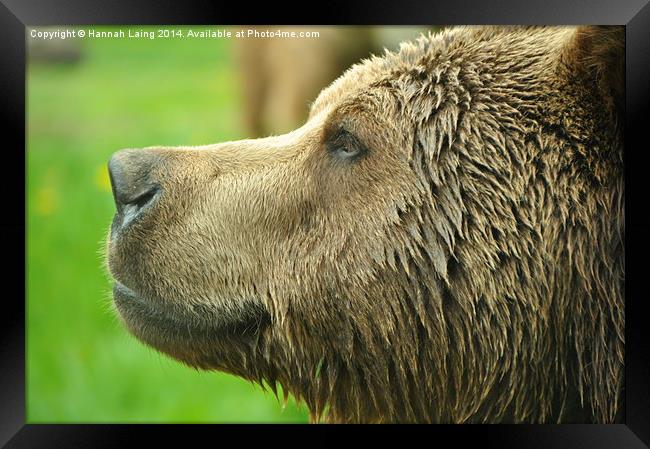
point(180, 333)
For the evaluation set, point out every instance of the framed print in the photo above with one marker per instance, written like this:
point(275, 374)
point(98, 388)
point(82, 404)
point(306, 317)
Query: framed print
point(400, 214)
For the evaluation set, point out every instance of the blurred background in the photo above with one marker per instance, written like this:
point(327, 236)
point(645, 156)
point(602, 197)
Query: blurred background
point(87, 98)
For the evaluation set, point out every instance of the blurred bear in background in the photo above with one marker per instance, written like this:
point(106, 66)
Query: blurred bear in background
point(280, 77)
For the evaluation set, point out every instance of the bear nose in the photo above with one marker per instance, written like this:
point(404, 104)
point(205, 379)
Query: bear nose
point(133, 188)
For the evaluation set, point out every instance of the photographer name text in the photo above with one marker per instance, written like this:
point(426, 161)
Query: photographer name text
point(162, 33)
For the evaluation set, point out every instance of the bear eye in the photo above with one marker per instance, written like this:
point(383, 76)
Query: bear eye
point(345, 145)
point(346, 151)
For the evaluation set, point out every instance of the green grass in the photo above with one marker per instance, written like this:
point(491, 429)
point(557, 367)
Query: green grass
point(82, 365)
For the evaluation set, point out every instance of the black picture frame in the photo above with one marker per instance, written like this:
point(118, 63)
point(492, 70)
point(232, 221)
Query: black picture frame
point(16, 15)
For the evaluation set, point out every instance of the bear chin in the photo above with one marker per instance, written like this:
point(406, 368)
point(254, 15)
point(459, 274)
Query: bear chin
point(197, 341)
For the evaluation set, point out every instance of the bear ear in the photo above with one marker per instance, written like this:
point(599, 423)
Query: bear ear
point(597, 55)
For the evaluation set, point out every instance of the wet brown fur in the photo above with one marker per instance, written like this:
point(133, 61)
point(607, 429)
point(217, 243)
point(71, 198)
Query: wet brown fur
point(468, 267)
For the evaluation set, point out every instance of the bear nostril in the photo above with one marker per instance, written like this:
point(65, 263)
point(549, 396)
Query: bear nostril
point(145, 198)
point(132, 209)
point(130, 176)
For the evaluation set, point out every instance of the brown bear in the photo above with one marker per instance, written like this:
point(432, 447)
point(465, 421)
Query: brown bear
point(441, 241)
